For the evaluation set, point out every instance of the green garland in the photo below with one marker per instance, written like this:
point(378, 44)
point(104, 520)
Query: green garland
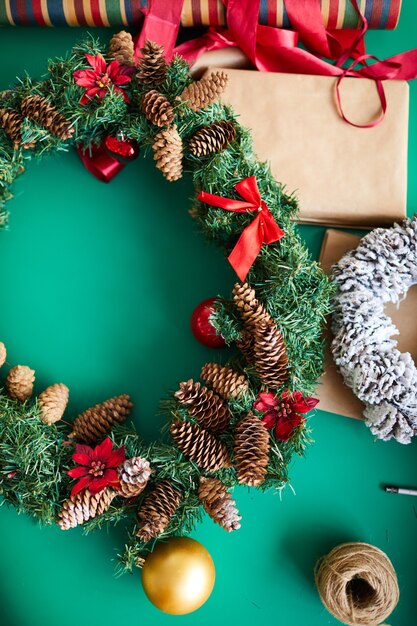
point(293, 289)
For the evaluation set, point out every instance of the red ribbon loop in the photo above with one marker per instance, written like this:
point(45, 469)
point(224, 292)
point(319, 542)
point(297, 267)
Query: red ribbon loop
point(262, 230)
point(382, 70)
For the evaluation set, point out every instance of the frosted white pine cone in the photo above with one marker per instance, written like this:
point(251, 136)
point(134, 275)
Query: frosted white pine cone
point(134, 474)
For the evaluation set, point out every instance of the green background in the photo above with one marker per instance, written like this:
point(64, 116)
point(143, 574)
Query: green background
point(97, 285)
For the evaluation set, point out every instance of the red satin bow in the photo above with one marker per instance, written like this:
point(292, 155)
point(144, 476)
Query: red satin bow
point(263, 229)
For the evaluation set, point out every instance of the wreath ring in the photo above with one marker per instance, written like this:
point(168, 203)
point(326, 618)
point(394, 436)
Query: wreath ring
point(217, 431)
point(381, 269)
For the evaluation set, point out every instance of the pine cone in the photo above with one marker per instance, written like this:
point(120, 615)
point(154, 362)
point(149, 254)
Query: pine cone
point(246, 345)
point(271, 359)
point(53, 402)
point(205, 449)
point(203, 92)
point(219, 504)
point(121, 48)
point(134, 475)
point(157, 108)
point(42, 112)
point(82, 507)
point(251, 311)
point(152, 66)
point(19, 382)
point(225, 381)
point(167, 149)
point(11, 122)
point(100, 419)
point(251, 451)
point(3, 354)
point(212, 138)
point(207, 407)
point(157, 510)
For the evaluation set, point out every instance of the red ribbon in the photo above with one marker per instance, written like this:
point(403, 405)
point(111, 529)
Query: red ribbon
point(263, 229)
point(161, 24)
point(99, 162)
point(275, 49)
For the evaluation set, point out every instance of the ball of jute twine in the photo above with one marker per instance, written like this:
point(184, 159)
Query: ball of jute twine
point(357, 584)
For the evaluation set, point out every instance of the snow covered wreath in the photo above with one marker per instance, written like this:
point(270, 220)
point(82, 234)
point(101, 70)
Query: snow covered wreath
point(245, 420)
point(380, 270)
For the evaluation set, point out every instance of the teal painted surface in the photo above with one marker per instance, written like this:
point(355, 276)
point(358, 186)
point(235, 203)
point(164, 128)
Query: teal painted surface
point(98, 283)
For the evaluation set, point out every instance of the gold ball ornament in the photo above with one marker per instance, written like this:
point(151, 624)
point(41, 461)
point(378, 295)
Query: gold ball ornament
point(178, 576)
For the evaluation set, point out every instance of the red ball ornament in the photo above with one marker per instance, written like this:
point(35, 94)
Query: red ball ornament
point(121, 147)
point(201, 326)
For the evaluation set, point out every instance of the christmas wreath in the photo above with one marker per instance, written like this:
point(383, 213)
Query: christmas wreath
point(381, 269)
point(248, 418)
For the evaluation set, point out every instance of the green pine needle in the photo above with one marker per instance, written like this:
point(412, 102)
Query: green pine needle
point(34, 457)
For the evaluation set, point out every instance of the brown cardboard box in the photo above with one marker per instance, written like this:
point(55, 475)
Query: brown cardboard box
point(226, 58)
point(343, 176)
point(334, 395)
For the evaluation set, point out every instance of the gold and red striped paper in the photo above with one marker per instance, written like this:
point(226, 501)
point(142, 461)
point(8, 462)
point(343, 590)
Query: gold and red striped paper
point(381, 14)
point(338, 14)
point(71, 12)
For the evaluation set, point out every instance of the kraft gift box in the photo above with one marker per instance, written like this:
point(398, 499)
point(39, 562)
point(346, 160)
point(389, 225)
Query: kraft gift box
point(225, 58)
point(342, 175)
point(334, 395)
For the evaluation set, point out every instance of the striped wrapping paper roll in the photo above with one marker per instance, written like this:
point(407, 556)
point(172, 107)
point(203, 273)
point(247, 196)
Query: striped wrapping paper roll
point(71, 12)
point(336, 13)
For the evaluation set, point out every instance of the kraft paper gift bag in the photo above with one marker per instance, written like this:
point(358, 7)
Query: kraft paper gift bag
point(342, 175)
point(334, 395)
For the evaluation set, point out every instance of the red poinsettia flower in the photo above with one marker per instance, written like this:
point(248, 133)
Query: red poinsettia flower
point(284, 413)
point(98, 80)
point(97, 467)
